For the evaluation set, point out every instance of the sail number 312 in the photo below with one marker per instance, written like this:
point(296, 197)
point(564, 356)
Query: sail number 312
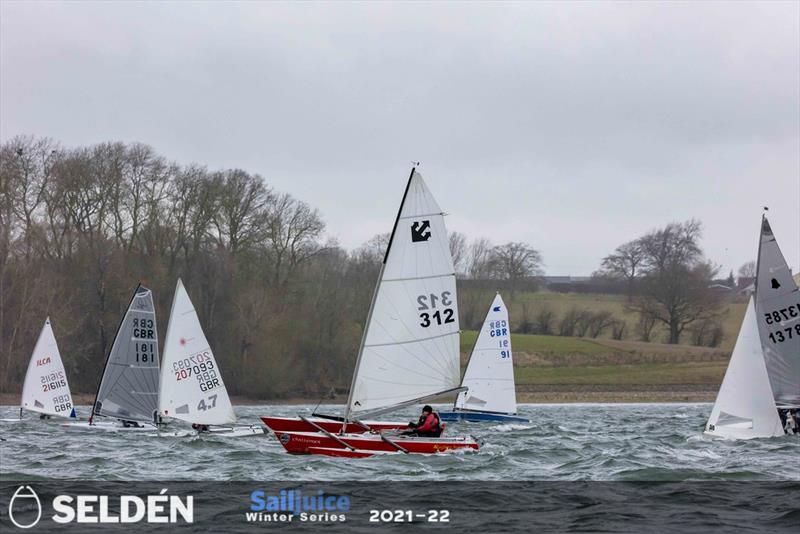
point(431, 314)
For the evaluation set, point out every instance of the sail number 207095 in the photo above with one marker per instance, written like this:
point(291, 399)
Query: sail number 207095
point(435, 309)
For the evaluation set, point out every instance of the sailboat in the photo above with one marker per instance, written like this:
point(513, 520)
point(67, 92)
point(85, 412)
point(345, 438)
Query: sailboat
point(763, 375)
point(191, 387)
point(489, 376)
point(46, 390)
point(409, 351)
point(128, 390)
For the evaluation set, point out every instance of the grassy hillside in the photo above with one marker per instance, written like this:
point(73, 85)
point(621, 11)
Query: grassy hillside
point(569, 369)
point(560, 303)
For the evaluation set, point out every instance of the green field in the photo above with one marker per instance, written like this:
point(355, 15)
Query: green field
point(564, 363)
point(696, 373)
point(560, 303)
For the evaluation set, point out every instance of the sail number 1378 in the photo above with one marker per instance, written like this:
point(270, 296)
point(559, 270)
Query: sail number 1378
point(435, 309)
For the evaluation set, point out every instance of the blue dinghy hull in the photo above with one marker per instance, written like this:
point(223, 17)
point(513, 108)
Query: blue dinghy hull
point(480, 417)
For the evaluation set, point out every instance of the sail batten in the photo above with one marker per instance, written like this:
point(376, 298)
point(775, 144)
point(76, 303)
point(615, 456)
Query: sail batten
point(129, 387)
point(410, 347)
point(191, 385)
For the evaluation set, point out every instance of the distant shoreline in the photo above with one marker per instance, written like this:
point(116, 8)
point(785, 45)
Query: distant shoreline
point(540, 394)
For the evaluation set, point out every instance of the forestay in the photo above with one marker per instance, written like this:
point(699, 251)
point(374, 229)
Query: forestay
point(410, 348)
point(191, 383)
point(744, 407)
point(129, 387)
point(490, 369)
point(46, 389)
point(778, 316)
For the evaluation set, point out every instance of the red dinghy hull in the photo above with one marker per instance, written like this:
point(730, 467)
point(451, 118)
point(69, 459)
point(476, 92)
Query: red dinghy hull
point(343, 453)
point(311, 442)
point(295, 424)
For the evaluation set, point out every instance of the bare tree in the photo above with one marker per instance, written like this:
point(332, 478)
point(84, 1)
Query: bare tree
point(747, 272)
point(458, 250)
point(479, 259)
point(675, 285)
point(515, 263)
point(240, 217)
point(625, 264)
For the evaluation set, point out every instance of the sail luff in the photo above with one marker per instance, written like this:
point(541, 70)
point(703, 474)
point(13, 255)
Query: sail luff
point(372, 302)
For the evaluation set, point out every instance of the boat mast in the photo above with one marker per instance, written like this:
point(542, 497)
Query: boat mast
point(758, 256)
point(374, 297)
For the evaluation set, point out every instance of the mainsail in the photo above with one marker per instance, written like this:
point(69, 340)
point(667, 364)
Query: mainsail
point(410, 347)
point(191, 383)
point(46, 389)
point(490, 369)
point(777, 305)
point(744, 407)
point(129, 387)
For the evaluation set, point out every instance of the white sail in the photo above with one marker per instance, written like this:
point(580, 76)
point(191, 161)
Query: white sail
point(744, 407)
point(778, 315)
point(191, 384)
point(490, 370)
point(411, 344)
point(46, 389)
point(129, 387)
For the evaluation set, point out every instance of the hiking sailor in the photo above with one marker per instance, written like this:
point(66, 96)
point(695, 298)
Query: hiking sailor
point(428, 425)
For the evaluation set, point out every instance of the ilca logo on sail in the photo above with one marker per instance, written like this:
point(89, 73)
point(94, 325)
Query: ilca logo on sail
point(27, 502)
point(420, 231)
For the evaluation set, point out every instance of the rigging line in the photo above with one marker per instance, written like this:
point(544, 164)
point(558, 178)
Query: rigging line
point(398, 366)
point(418, 340)
point(139, 375)
point(440, 356)
point(443, 351)
point(411, 299)
point(418, 215)
point(424, 363)
point(426, 277)
point(372, 378)
point(403, 347)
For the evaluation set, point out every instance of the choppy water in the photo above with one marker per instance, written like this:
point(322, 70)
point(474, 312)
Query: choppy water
point(653, 442)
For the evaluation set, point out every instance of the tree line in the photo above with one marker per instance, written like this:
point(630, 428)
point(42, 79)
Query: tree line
point(282, 303)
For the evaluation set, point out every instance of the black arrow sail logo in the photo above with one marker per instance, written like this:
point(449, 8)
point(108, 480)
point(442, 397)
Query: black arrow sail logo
point(420, 231)
point(775, 284)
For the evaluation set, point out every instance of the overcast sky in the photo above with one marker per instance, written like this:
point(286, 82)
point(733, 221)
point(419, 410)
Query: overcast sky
point(572, 126)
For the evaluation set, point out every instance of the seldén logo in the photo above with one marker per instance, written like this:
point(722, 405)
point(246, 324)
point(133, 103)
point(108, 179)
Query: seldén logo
point(126, 509)
point(24, 498)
